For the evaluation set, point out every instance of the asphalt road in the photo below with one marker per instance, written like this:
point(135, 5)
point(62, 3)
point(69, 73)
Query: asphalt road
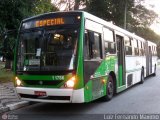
point(139, 99)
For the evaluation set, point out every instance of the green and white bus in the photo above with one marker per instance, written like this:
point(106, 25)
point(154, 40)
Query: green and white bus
point(75, 57)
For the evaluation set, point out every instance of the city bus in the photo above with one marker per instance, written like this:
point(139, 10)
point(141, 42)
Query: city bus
point(76, 57)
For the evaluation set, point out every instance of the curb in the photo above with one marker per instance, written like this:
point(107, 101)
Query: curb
point(14, 106)
point(17, 105)
point(4, 109)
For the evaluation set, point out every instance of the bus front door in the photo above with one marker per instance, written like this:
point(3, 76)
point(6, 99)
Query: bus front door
point(121, 60)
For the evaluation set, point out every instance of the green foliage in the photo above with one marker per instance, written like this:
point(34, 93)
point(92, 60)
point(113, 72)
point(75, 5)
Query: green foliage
point(12, 13)
point(7, 49)
point(110, 10)
point(5, 75)
point(42, 6)
point(143, 16)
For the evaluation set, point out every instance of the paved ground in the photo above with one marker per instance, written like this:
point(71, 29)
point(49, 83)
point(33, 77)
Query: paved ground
point(140, 99)
point(8, 96)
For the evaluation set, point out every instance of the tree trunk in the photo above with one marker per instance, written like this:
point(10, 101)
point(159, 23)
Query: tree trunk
point(76, 6)
point(2, 59)
point(8, 64)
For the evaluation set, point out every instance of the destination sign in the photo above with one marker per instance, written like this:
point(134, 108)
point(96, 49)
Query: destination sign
point(52, 21)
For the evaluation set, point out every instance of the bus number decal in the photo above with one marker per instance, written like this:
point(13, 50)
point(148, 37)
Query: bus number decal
point(58, 77)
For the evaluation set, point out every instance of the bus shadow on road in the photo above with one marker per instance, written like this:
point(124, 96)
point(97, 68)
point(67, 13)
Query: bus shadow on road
point(63, 108)
point(147, 79)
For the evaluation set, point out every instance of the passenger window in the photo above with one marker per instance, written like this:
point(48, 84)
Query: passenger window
point(108, 35)
point(141, 50)
point(127, 41)
point(128, 45)
point(136, 49)
point(92, 45)
point(155, 51)
point(86, 46)
point(96, 46)
point(110, 46)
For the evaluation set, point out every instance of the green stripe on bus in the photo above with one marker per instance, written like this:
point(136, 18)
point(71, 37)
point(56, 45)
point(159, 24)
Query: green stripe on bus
point(120, 76)
point(80, 81)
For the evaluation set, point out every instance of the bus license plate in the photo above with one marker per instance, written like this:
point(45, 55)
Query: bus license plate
point(40, 93)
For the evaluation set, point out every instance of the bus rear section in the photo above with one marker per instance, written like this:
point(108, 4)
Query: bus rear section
point(48, 62)
point(151, 58)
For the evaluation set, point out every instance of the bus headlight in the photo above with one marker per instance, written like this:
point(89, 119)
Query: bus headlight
point(70, 83)
point(18, 81)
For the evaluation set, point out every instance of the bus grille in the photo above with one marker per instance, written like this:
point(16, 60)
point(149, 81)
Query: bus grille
point(43, 82)
point(45, 97)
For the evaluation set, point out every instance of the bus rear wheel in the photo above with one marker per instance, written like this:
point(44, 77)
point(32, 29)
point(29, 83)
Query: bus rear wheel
point(142, 76)
point(109, 89)
point(154, 74)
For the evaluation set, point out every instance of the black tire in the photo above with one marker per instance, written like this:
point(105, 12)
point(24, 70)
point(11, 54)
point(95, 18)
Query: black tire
point(154, 74)
point(142, 76)
point(109, 89)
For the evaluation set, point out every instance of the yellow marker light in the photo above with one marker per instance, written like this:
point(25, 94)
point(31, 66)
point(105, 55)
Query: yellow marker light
point(79, 17)
point(71, 82)
point(18, 81)
point(103, 81)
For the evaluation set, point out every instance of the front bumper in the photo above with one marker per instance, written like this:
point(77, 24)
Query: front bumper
point(53, 95)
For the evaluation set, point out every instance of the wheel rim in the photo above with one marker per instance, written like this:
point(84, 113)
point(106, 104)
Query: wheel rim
point(142, 77)
point(155, 70)
point(110, 88)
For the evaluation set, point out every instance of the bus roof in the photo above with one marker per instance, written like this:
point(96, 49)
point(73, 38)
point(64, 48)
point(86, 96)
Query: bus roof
point(50, 13)
point(112, 26)
point(93, 18)
point(152, 43)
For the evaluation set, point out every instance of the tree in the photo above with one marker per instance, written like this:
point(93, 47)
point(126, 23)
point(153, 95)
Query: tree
point(110, 10)
point(68, 5)
point(138, 20)
point(142, 17)
point(42, 6)
point(12, 12)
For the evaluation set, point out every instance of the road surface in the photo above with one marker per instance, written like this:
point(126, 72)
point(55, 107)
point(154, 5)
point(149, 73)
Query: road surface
point(139, 99)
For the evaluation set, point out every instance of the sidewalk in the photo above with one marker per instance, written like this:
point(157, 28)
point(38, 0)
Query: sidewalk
point(9, 99)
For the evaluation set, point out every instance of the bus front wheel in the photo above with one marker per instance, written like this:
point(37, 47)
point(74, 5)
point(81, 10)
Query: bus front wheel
point(109, 89)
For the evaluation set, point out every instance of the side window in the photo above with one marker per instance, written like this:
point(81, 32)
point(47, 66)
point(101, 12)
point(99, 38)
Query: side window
point(155, 51)
point(128, 45)
point(95, 45)
point(144, 48)
point(86, 46)
point(110, 46)
point(141, 48)
point(92, 45)
point(136, 49)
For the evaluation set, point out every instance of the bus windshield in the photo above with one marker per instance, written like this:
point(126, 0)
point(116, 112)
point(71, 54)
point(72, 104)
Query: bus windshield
point(47, 49)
